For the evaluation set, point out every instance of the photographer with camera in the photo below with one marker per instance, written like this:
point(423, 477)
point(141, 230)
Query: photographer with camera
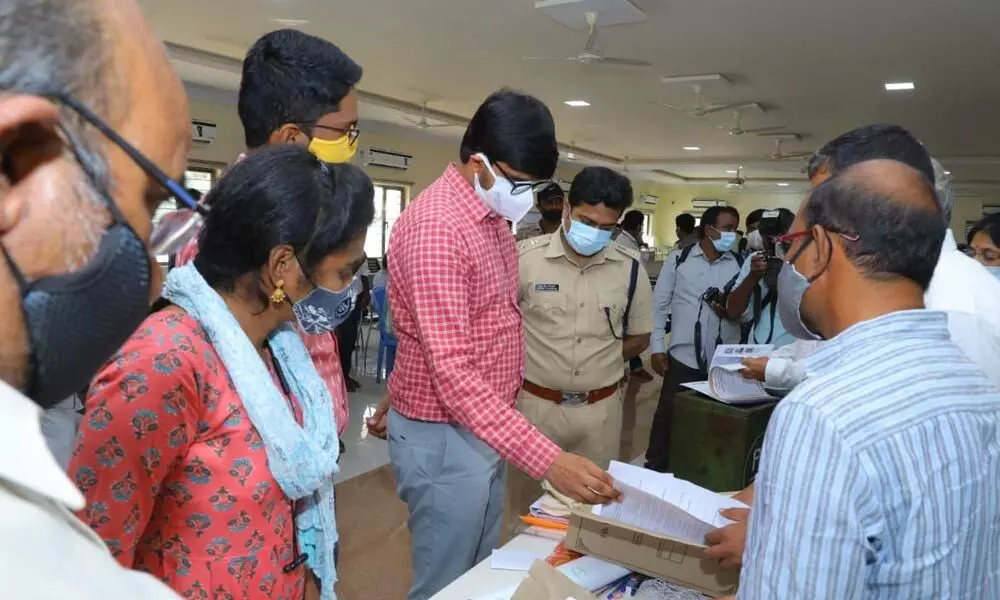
point(691, 289)
point(755, 295)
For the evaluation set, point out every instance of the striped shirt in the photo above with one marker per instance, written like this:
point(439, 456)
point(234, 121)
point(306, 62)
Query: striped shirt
point(879, 474)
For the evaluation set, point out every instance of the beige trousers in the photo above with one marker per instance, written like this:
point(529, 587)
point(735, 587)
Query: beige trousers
point(593, 431)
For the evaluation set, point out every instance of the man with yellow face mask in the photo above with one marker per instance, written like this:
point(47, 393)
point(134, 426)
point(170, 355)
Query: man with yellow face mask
point(299, 89)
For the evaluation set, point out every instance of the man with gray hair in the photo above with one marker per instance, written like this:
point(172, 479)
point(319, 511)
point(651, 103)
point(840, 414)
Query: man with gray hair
point(95, 132)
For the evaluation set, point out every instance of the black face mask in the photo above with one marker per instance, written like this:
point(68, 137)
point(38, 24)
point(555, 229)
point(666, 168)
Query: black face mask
point(77, 320)
point(552, 216)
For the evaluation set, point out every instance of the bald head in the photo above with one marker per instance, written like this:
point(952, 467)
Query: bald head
point(889, 217)
point(892, 180)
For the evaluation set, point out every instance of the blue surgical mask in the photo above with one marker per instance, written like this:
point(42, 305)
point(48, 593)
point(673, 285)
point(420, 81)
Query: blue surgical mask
point(994, 271)
point(587, 240)
point(323, 310)
point(726, 241)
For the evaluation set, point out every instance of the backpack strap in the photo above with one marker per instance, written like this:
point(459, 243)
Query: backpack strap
point(685, 252)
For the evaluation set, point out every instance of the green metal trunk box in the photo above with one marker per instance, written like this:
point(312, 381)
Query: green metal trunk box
point(716, 445)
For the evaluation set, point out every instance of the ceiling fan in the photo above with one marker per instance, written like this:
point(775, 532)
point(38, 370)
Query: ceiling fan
point(738, 129)
point(591, 54)
point(700, 110)
point(779, 155)
point(737, 183)
point(422, 122)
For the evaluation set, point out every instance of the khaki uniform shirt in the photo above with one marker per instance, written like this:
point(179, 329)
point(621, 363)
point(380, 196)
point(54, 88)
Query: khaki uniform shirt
point(569, 342)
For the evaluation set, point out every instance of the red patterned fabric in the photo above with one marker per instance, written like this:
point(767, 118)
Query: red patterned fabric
point(175, 474)
point(453, 286)
point(322, 348)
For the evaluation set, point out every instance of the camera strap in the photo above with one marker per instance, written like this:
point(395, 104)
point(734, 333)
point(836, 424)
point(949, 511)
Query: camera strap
point(770, 300)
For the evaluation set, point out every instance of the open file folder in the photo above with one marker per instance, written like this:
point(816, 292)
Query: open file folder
point(663, 504)
point(725, 380)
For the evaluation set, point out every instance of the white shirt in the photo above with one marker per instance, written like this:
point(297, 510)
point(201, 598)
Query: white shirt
point(962, 288)
point(971, 296)
point(45, 551)
point(59, 426)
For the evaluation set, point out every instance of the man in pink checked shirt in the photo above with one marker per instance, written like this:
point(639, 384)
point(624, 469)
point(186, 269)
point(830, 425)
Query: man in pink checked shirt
point(299, 89)
point(460, 357)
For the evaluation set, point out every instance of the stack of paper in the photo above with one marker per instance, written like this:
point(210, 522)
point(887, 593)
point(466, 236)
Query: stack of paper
point(725, 379)
point(663, 504)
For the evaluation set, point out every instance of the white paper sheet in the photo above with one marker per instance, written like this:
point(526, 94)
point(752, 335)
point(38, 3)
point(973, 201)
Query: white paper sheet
point(725, 381)
point(514, 560)
point(665, 504)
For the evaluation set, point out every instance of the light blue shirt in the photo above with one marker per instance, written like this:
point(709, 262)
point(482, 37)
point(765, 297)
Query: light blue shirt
point(880, 474)
point(760, 331)
point(678, 293)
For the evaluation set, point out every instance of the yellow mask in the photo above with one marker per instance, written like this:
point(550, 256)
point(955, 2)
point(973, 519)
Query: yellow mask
point(340, 150)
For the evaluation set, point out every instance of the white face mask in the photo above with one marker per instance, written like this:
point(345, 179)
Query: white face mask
point(501, 199)
point(755, 241)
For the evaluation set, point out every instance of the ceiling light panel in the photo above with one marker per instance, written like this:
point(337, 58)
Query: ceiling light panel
point(692, 148)
point(577, 103)
point(899, 86)
point(573, 13)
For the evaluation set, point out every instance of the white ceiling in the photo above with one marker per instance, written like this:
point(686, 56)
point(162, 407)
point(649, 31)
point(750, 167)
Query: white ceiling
point(819, 67)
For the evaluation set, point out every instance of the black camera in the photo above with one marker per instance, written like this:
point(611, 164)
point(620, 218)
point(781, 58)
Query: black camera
point(774, 223)
point(714, 295)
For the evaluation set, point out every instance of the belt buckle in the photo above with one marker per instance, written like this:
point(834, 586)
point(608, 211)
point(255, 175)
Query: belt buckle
point(573, 398)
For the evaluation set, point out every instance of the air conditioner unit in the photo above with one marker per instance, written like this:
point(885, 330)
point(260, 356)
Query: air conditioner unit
point(648, 199)
point(704, 203)
point(377, 157)
point(203, 132)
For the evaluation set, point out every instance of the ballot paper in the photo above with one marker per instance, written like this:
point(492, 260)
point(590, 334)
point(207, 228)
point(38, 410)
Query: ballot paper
point(725, 378)
point(664, 504)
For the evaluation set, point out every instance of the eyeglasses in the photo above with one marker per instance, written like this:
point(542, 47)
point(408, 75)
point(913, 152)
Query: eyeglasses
point(178, 231)
point(519, 187)
point(986, 255)
point(352, 132)
point(783, 243)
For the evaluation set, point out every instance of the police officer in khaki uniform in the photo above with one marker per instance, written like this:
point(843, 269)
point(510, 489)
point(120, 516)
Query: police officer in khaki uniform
point(574, 297)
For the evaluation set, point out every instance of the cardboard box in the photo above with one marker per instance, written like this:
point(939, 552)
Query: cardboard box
point(650, 553)
point(546, 583)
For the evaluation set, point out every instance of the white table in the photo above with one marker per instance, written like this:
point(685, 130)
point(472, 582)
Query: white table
point(482, 580)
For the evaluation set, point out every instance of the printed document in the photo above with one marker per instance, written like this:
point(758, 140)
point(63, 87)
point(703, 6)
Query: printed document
point(666, 505)
point(725, 377)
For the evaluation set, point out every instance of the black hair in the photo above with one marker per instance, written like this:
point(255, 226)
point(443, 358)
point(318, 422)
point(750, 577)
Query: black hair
point(990, 225)
point(514, 128)
point(601, 185)
point(711, 217)
point(754, 216)
point(895, 238)
point(195, 194)
point(292, 77)
point(686, 223)
point(870, 143)
point(550, 193)
point(281, 195)
point(633, 221)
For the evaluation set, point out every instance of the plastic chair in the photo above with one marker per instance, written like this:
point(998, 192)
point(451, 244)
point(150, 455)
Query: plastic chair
point(386, 341)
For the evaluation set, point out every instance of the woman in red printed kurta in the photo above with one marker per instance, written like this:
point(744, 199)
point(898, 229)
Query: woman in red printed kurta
point(175, 471)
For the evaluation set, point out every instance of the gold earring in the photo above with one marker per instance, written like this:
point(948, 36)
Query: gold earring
point(278, 295)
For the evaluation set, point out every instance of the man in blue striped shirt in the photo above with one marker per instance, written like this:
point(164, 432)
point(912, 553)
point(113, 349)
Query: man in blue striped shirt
point(880, 475)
